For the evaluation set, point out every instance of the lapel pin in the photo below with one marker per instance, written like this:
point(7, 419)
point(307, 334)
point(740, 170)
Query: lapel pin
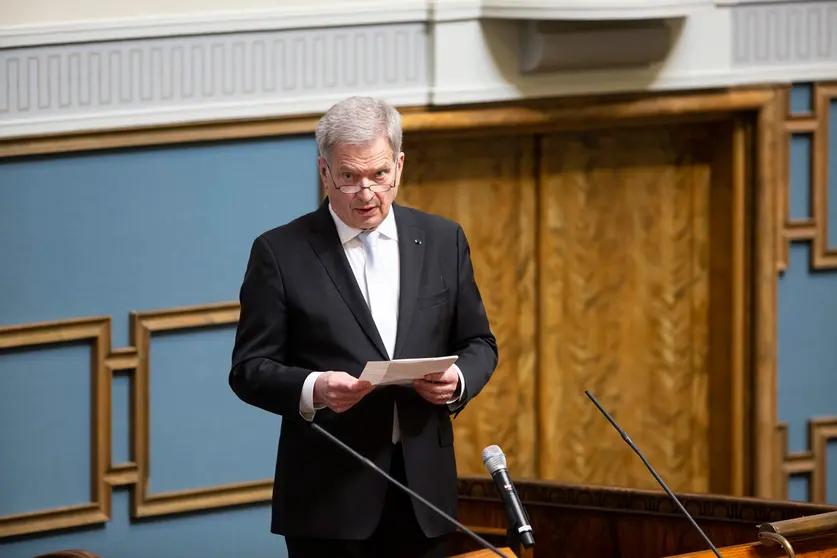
point(418, 241)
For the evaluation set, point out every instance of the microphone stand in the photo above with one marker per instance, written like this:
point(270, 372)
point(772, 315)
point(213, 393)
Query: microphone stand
point(410, 492)
point(513, 539)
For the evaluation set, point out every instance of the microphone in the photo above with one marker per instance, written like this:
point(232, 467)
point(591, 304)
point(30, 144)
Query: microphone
point(653, 472)
point(495, 461)
point(412, 493)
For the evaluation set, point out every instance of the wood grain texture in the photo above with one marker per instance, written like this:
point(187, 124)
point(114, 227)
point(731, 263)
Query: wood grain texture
point(485, 553)
point(583, 520)
point(487, 185)
point(623, 297)
point(614, 260)
point(764, 303)
point(820, 547)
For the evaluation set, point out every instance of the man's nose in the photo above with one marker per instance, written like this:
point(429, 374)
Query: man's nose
point(366, 194)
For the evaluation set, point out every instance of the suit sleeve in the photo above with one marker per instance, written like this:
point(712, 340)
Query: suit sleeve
point(471, 338)
point(259, 375)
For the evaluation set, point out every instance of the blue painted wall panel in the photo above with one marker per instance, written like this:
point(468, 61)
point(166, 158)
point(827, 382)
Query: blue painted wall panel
point(831, 485)
point(242, 532)
point(807, 309)
point(832, 175)
point(120, 420)
point(44, 428)
point(200, 435)
point(807, 348)
point(107, 233)
point(800, 176)
point(801, 99)
point(798, 488)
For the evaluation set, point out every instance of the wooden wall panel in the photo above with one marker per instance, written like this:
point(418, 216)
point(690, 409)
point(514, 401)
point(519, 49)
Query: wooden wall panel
point(624, 290)
point(613, 260)
point(487, 185)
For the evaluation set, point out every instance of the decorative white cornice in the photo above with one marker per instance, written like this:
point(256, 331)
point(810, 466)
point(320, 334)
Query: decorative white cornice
point(314, 14)
point(82, 87)
point(337, 13)
point(795, 34)
point(589, 9)
point(541, 10)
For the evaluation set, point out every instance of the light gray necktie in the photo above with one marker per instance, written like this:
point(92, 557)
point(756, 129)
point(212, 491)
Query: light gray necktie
point(377, 281)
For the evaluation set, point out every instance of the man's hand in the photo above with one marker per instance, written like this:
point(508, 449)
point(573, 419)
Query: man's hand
point(339, 391)
point(438, 388)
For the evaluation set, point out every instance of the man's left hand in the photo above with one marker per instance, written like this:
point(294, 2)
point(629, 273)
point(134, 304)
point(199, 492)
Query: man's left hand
point(438, 388)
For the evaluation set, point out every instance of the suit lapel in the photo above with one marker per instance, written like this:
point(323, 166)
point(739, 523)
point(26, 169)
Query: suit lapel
point(411, 248)
point(326, 244)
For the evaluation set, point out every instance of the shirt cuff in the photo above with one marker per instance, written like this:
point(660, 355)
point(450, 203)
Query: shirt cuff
point(306, 399)
point(460, 389)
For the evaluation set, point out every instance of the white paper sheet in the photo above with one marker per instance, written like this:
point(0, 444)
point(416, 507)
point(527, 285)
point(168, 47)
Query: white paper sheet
point(405, 370)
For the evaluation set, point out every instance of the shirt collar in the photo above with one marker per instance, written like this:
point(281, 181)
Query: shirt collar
point(387, 227)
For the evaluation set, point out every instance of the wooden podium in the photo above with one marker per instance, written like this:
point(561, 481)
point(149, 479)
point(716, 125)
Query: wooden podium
point(578, 520)
point(486, 553)
point(813, 536)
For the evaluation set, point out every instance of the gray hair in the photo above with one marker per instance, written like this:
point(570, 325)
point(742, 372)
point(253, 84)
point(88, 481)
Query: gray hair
point(357, 121)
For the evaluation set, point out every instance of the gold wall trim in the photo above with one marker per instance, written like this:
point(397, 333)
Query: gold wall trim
point(813, 229)
point(142, 137)
point(124, 474)
point(554, 115)
point(144, 325)
point(206, 498)
point(811, 463)
point(96, 331)
point(106, 362)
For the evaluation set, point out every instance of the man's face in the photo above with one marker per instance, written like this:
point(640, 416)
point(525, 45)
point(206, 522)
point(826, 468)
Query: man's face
point(361, 165)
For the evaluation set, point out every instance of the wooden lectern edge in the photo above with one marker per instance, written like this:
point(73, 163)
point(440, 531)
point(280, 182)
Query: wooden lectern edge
point(485, 553)
point(808, 548)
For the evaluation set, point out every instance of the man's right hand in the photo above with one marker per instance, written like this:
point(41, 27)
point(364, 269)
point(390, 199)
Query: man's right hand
point(339, 391)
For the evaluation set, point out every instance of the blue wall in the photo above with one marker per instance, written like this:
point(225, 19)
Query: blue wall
point(808, 311)
point(107, 233)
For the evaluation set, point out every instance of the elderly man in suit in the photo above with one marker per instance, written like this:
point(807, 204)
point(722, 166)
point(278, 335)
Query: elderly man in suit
point(361, 279)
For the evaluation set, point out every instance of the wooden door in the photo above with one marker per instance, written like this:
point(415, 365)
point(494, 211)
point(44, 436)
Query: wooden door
point(488, 186)
point(605, 261)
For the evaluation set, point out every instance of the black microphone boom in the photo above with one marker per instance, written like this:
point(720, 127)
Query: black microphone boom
point(412, 493)
point(653, 472)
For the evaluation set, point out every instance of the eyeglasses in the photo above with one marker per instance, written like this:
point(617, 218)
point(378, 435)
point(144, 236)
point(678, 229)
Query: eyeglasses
point(354, 188)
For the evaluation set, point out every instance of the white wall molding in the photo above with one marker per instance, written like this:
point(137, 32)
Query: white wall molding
point(589, 9)
point(793, 34)
point(541, 10)
point(82, 87)
point(452, 53)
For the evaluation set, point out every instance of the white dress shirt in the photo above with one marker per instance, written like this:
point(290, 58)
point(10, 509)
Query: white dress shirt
point(386, 252)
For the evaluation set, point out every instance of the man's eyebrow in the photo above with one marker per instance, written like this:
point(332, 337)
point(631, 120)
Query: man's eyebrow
point(355, 170)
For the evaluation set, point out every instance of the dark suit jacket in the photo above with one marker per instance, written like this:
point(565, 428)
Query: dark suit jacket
point(302, 311)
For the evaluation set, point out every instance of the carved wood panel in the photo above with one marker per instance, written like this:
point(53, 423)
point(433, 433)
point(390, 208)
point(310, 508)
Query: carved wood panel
point(487, 185)
point(612, 260)
point(624, 287)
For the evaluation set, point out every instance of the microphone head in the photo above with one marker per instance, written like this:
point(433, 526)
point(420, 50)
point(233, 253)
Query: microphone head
point(493, 458)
